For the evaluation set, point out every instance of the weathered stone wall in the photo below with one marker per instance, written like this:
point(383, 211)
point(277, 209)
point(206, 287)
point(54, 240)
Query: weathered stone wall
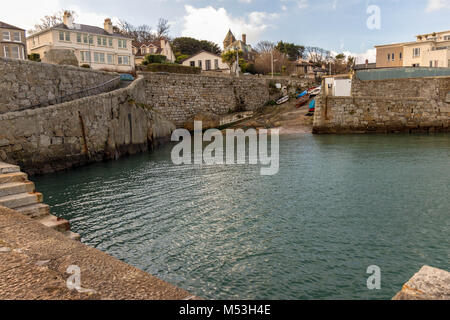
point(180, 97)
point(26, 83)
point(86, 130)
point(384, 106)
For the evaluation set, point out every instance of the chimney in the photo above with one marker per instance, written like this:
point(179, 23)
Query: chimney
point(367, 63)
point(68, 20)
point(108, 26)
point(244, 38)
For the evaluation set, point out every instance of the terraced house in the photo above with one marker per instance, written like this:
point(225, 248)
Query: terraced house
point(100, 48)
point(429, 50)
point(12, 42)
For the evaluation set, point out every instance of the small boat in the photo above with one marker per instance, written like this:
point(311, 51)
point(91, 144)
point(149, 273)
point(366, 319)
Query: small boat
point(304, 93)
point(315, 91)
point(283, 100)
point(302, 101)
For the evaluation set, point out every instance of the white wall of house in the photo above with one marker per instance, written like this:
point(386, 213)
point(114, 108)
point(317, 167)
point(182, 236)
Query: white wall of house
point(206, 61)
point(113, 53)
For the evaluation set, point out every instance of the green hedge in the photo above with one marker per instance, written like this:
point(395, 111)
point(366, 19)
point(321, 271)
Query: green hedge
point(172, 68)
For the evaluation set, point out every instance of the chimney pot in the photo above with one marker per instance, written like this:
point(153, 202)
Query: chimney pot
point(68, 19)
point(108, 26)
point(244, 38)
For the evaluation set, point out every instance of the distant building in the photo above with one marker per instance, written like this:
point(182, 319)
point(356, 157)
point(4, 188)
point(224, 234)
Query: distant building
point(230, 43)
point(207, 61)
point(303, 68)
point(12, 42)
point(99, 48)
point(162, 47)
point(429, 50)
point(365, 66)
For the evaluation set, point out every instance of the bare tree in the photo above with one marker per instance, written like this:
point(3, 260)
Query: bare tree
point(50, 21)
point(264, 46)
point(317, 55)
point(162, 29)
point(140, 34)
point(281, 63)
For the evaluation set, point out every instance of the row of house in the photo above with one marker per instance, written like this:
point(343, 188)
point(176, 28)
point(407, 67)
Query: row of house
point(429, 50)
point(105, 49)
point(100, 48)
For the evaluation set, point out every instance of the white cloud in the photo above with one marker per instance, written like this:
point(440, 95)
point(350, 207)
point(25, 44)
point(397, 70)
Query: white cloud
point(434, 5)
point(212, 24)
point(370, 55)
point(25, 14)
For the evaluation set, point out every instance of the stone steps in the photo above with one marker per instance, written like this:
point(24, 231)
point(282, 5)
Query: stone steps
point(11, 188)
point(20, 200)
point(17, 193)
point(56, 223)
point(13, 177)
point(35, 210)
point(8, 168)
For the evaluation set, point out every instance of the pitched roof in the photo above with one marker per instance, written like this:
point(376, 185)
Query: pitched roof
point(230, 37)
point(84, 28)
point(201, 51)
point(8, 26)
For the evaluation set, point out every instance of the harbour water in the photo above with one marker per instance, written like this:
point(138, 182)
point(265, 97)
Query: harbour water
point(338, 205)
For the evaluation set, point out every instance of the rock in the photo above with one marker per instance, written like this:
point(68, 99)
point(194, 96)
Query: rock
point(428, 284)
point(447, 98)
point(209, 120)
point(61, 57)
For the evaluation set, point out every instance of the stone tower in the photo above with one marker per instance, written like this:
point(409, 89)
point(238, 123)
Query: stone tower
point(229, 39)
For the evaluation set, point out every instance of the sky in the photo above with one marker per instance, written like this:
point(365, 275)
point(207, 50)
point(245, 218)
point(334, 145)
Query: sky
point(350, 26)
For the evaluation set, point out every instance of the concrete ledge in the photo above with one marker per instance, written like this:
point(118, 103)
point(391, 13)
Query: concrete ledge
point(428, 284)
point(34, 260)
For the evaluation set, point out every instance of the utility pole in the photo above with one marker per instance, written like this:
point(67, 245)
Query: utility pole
point(271, 55)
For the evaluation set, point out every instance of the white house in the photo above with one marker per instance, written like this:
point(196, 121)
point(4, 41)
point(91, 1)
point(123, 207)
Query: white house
point(207, 61)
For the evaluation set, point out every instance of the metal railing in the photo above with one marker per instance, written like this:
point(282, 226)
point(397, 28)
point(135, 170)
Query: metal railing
point(102, 88)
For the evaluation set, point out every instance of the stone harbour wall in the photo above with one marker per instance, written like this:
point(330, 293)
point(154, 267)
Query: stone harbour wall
point(180, 97)
point(387, 106)
point(26, 83)
point(82, 131)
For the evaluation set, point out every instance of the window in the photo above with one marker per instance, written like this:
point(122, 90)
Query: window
point(99, 57)
point(17, 37)
point(85, 56)
point(79, 36)
point(110, 58)
point(216, 64)
point(436, 64)
point(393, 57)
point(192, 63)
point(15, 52)
point(447, 38)
point(6, 52)
point(401, 56)
point(110, 42)
point(64, 36)
point(416, 52)
point(122, 44)
point(208, 64)
point(431, 64)
point(200, 64)
point(448, 64)
point(389, 57)
point(6, 36)
point(123, 60)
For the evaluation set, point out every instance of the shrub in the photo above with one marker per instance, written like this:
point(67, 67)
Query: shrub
point(34, 57)
point(172, 68)
point(154, 58)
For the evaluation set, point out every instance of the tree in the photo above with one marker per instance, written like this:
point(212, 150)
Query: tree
point(264, 46)
point(292, 50)
point(139, 34)
point(281, 63)
point(50, 21)
point(317, 55)
point(229, 57)
point(162, 29)
point(185, 46)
